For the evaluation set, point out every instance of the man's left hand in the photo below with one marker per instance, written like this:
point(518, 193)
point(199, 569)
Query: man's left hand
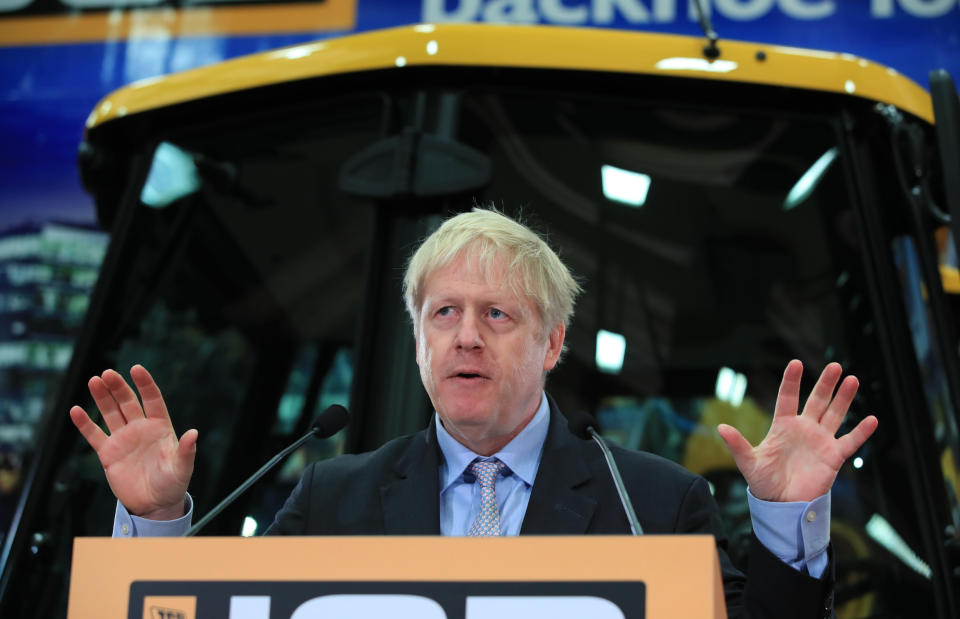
point(799, 458)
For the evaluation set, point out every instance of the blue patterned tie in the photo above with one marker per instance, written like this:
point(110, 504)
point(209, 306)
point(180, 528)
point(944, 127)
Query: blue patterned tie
point(488, 520)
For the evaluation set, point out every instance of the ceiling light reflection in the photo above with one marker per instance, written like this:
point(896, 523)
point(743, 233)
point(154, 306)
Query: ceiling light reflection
point(611, 348)
point(731, 386)
point(624, 186)
point(296, 52)
point(810, 179)
point(173, 175)
point(881, 531)
point(680, 63)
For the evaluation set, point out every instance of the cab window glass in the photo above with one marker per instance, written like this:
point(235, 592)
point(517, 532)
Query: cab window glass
point(240, 293)
point(714, 246)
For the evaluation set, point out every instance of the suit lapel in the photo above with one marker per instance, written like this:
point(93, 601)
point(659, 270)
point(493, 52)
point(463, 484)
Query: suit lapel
point(411, 503)
point(411, 500)
point(557, 505)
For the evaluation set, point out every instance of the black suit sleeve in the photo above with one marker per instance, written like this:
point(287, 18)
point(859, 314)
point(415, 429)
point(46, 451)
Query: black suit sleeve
point(773, 588)
point(293, 517)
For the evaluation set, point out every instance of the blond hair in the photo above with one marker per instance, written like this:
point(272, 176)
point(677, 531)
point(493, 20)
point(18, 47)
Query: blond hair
point(493, 238)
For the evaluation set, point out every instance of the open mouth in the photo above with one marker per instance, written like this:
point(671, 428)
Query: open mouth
point(470, 376)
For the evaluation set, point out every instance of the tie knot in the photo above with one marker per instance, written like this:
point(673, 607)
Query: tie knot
point(486, 471)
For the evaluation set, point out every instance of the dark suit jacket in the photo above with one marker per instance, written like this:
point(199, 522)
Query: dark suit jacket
point(395, 491)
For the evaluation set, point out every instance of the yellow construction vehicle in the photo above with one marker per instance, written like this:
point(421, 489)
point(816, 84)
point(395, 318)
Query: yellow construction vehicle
point(727, 206)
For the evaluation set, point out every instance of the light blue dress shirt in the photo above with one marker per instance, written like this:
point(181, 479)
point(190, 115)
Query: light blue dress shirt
point(460, 497)
point(797, 533)
point(126, 524)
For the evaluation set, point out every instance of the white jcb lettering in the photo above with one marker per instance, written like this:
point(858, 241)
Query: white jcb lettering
point(369, 607)
point(524, 607)
point(249, 607)
point(398, 606)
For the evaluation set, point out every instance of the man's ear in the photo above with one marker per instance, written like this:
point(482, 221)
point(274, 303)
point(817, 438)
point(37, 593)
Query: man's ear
point(554, 346)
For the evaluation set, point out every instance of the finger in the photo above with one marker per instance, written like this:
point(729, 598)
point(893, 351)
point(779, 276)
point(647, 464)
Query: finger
point(739, 447)
point(90, 431)
point(788, 399)
point(849, 443)
point(838, 408)
point(187, 451)
point(123, 394)
point(822, 392)
point(106, 404)
point(153, 404)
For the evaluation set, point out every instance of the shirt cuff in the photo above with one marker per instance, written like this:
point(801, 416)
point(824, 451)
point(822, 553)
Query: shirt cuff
point(126, 524)
point(796, 532)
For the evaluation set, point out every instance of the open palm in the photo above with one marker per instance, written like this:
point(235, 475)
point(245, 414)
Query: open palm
point(147, 468)
point(800, 456)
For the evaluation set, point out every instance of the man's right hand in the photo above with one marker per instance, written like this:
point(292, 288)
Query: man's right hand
point(147, 468)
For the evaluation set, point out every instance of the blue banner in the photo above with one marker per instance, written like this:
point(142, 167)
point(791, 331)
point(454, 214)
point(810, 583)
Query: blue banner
point(48, 88)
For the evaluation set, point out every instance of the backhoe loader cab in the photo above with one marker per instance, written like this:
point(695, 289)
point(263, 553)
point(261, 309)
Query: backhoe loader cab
point(724, 216)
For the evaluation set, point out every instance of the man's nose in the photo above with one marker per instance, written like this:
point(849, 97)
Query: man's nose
point(468, 335)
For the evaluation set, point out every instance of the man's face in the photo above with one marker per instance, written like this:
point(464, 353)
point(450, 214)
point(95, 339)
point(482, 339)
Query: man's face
point(482, 354)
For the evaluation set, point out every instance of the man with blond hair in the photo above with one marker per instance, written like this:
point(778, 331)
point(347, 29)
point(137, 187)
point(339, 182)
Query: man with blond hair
point(490, 303)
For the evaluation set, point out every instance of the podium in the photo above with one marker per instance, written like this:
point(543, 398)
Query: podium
point(595, 577)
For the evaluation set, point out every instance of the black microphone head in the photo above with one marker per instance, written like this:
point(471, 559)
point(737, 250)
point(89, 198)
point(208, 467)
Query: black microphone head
point(330, 421)
point(578, 423)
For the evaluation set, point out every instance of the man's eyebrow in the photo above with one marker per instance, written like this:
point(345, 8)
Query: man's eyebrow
point(514, 306)
point(502, 303)
point(441, 298)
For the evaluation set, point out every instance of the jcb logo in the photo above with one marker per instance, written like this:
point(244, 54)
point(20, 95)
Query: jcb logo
point(368, 606)
point(169, 607)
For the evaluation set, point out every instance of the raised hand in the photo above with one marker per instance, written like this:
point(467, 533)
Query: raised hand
point(147, 468)
point(799, 458)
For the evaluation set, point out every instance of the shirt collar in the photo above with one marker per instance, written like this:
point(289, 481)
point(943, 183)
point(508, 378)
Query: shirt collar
point(521, 455)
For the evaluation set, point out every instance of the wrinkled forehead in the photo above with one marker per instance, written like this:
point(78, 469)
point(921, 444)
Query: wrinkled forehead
point(488, 268)
point(492, 270)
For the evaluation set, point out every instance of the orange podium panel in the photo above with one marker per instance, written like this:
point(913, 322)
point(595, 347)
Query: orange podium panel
point(398, 577)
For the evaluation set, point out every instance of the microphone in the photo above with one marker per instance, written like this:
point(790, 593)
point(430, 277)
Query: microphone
point(327, 423)
point(581, 424)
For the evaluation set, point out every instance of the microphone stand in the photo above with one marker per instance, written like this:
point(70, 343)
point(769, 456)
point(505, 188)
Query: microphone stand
point(252, 480)
point(618, 482)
